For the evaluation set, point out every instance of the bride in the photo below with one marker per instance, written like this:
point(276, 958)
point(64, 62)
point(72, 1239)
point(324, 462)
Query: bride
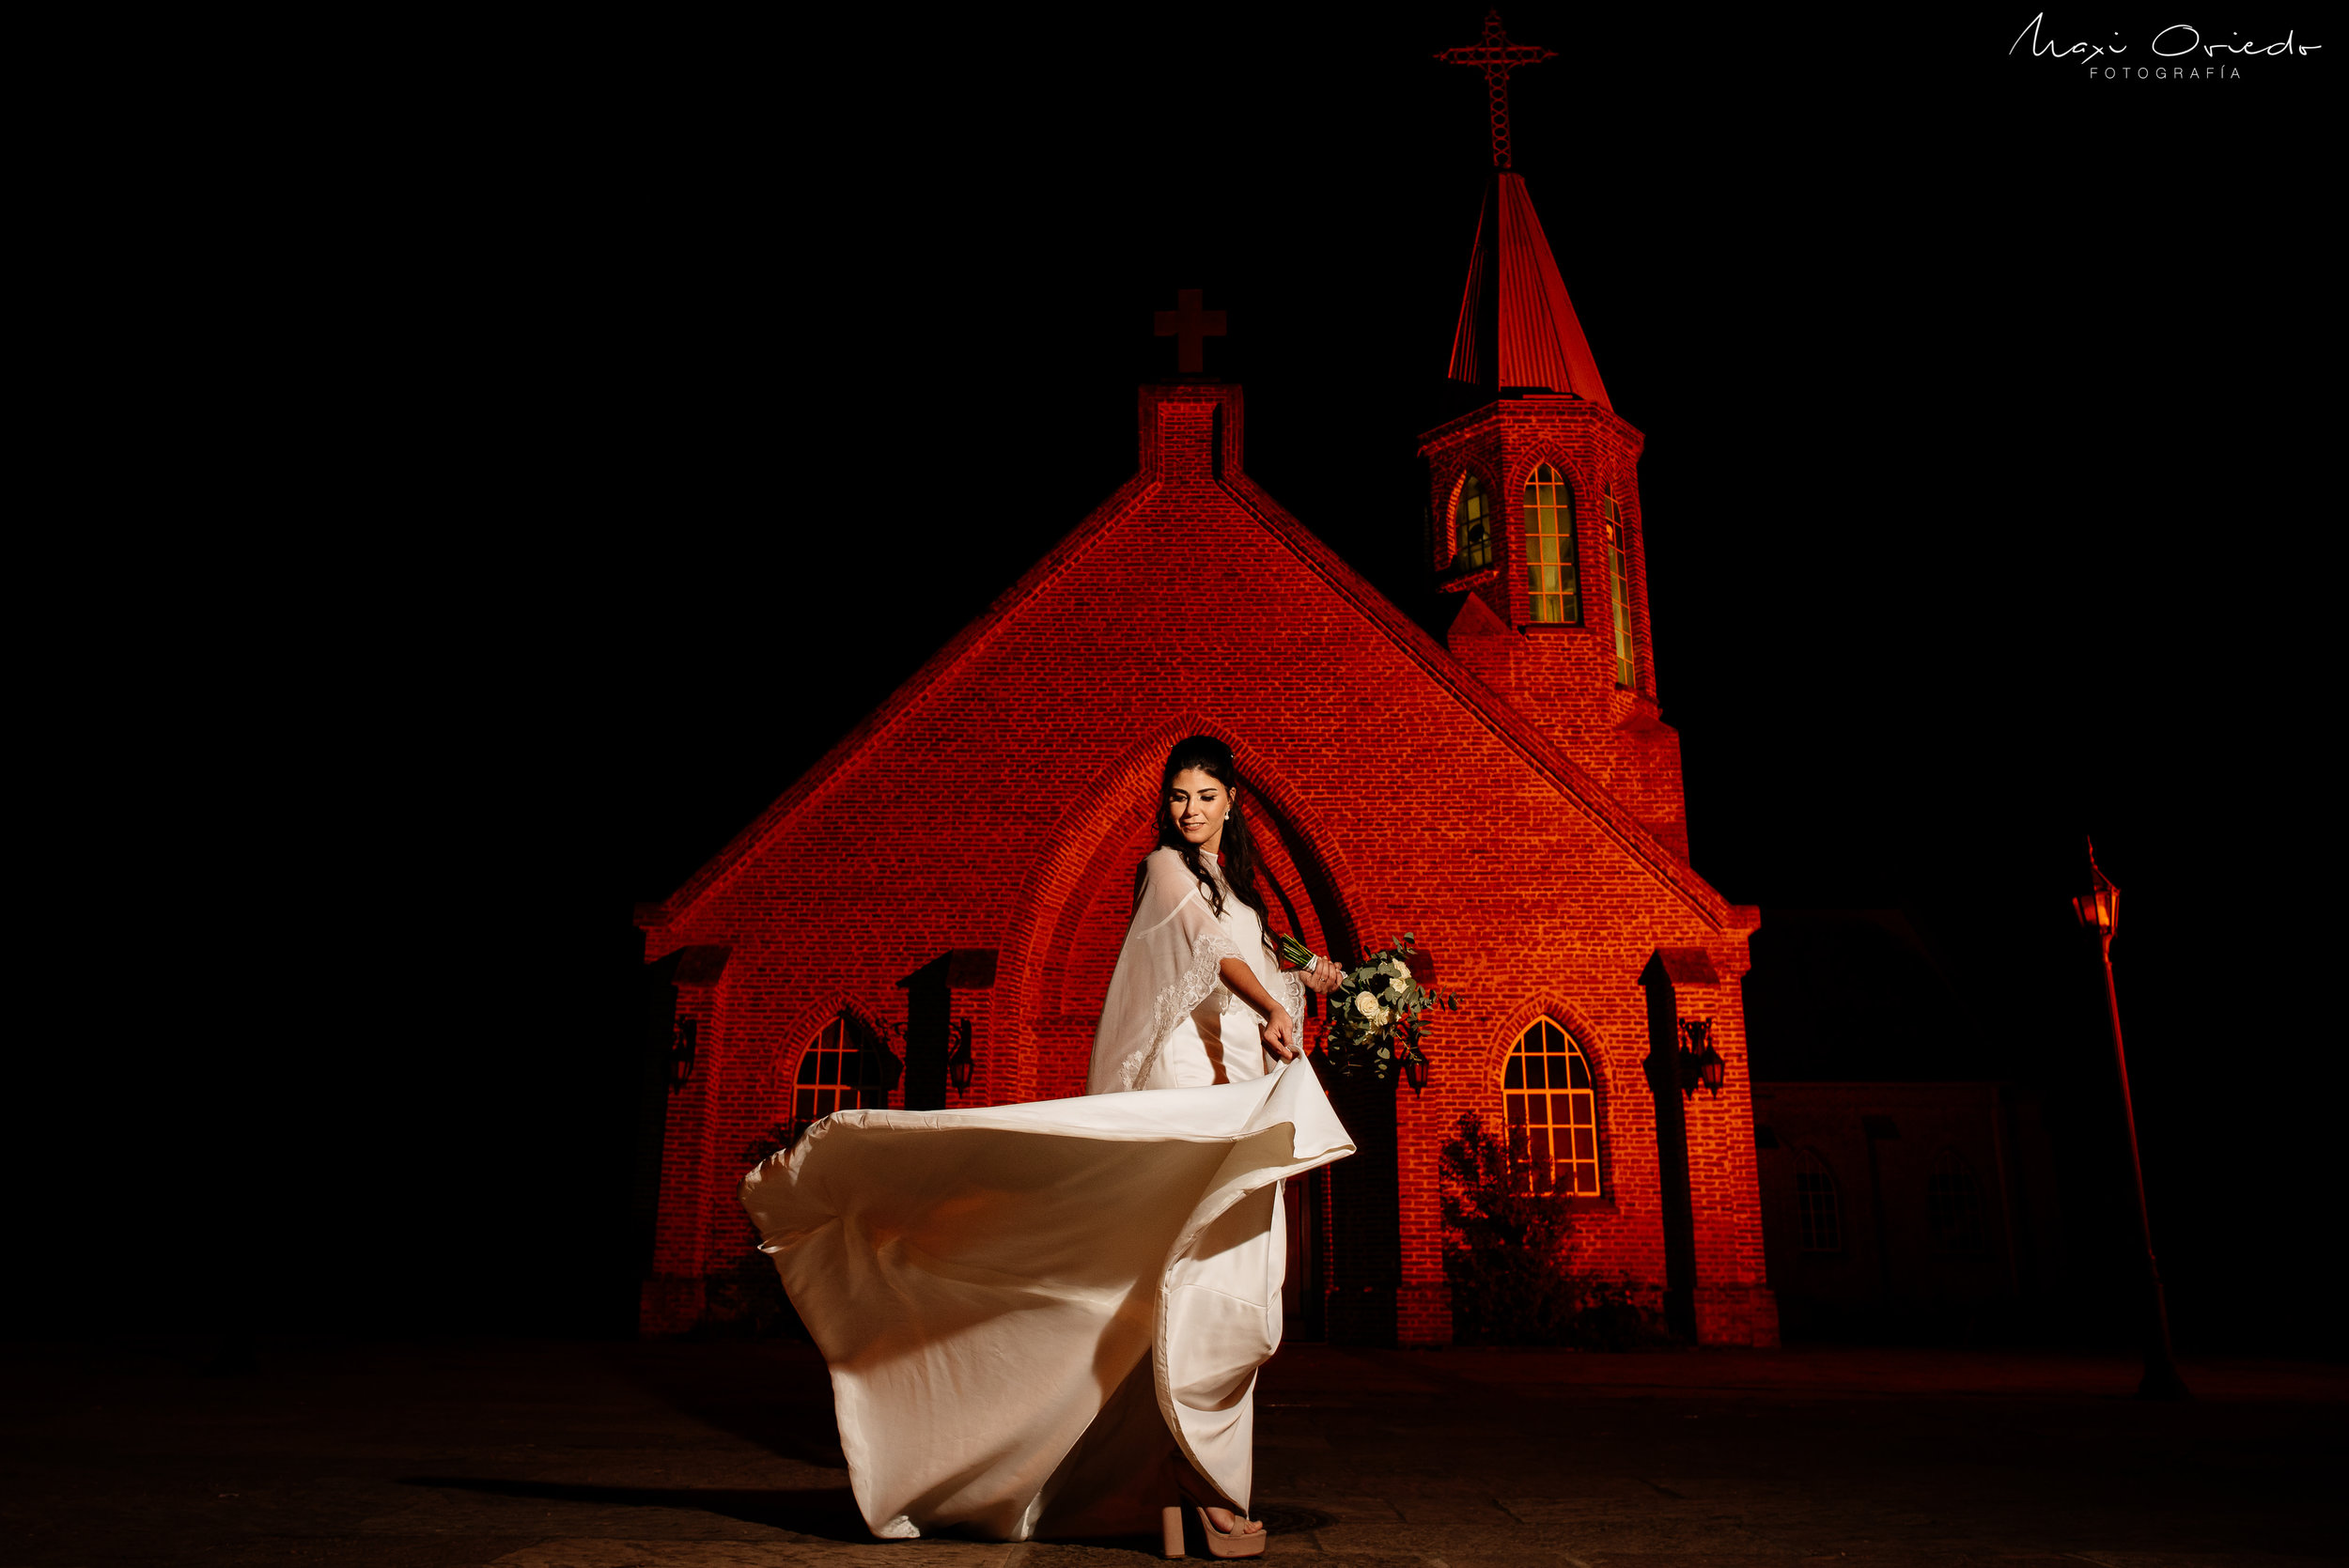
point(1046, 1319)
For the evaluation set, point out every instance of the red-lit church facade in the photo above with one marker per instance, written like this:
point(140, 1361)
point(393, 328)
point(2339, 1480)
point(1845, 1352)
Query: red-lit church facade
point(1509, 794)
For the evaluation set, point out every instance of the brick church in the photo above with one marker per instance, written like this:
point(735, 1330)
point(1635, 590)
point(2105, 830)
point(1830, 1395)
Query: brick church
point(842, 951)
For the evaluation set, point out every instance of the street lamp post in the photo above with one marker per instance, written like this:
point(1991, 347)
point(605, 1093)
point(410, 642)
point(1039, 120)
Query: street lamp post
point(2100, 912)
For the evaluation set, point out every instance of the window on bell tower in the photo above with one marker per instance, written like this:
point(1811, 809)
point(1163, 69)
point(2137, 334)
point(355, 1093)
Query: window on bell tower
point(1619, 585)
point(1550, 549)
point(1471, 523)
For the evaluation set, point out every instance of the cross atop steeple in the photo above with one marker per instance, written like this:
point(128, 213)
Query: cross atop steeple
point(1497, 57)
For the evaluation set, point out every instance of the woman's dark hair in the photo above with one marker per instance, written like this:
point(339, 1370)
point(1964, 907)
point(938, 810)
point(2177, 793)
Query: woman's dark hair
point(1213, 758)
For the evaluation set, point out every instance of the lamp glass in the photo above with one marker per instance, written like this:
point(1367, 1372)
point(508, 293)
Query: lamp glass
point(2099, 911)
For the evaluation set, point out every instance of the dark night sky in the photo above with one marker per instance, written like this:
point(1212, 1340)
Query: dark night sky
point(689, 391)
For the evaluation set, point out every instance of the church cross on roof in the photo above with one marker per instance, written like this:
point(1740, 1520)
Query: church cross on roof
point(1188, 324)
point(1496, 57)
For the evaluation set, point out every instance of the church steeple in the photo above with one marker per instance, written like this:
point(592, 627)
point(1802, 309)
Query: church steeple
point(1534, 501)
point(1517, 331)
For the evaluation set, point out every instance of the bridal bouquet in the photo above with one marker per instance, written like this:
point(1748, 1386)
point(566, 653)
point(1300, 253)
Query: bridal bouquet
point(1378, 1014)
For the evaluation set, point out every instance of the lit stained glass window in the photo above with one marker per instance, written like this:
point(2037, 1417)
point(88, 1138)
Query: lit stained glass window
point(1619, 585)
point(1553, 1114)
point(1550, 570)
point(1472, 521)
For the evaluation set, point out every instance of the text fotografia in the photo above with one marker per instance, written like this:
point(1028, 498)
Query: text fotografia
point(2178, 53)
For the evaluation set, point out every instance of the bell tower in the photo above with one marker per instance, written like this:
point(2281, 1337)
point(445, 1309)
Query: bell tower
point(1534, 502)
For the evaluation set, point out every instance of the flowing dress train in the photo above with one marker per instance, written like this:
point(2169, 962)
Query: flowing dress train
point(1048, 1318)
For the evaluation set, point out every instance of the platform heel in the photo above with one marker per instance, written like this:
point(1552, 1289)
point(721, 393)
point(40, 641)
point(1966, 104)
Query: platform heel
point(1219, 1543)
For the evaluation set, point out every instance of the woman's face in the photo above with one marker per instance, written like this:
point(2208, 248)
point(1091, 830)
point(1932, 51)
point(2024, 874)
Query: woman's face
point(1196, 803)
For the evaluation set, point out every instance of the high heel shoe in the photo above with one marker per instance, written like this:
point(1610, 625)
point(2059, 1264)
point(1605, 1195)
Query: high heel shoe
point(1219, 1542)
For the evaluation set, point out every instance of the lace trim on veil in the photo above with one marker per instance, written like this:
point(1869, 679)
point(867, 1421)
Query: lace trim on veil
point(1175, 999)
point(1289, 985)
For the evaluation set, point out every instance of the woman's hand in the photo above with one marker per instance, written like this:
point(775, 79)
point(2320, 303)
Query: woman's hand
point(1279, 1031)
point(1323, 977)
point(1280, 1034)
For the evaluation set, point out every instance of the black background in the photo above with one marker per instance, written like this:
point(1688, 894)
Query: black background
point(624, 415)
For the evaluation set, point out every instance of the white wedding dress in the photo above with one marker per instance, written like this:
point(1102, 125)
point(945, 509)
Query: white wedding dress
point(1048, 1318)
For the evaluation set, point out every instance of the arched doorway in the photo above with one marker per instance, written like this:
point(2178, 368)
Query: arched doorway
point(1343, 1248)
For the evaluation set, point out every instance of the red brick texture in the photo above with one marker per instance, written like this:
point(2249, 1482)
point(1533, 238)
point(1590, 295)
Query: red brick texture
point(1508, 805)
point(1563, 677)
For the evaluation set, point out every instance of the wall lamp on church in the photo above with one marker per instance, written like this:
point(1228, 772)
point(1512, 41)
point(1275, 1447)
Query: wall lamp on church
point(959, 1060)
point(1697, 1061)
point(684, 1048)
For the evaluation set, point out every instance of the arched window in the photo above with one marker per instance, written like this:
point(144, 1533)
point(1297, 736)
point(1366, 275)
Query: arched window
point(1550, 572)
point(1953, 1205)
point(1472, 525)
point(1619, 585)
point(846, 1068)
point(1817, 1204)
point(1553, 1113)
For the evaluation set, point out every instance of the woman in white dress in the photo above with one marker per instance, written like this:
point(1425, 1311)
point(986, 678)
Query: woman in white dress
point(1048, 1318)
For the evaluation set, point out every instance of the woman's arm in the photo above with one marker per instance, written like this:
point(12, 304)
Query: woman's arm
point(1280, 1030)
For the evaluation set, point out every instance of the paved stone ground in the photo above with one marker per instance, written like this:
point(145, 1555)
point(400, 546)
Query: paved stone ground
point(555, 1455)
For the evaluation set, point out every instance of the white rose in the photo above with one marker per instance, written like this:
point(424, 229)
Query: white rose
point(1367, 1005)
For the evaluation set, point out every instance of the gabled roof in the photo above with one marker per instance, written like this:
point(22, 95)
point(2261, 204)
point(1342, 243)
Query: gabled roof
point(1497, 715)
point(1517, 329)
